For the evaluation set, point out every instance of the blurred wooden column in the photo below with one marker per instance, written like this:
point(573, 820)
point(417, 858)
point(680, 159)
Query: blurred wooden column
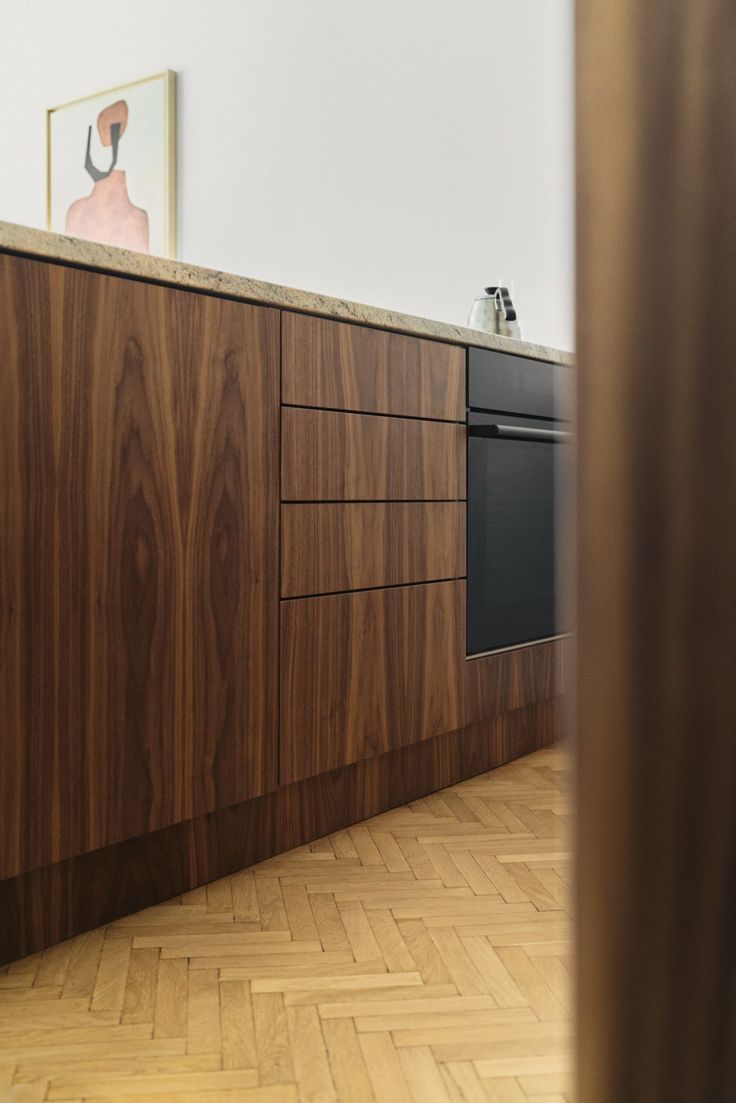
point(656, 102)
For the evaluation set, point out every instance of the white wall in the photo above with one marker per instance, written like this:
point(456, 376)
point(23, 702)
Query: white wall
point(397, 152)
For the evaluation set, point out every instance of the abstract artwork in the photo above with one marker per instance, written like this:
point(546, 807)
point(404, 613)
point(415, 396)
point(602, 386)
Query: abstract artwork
point(112, 166)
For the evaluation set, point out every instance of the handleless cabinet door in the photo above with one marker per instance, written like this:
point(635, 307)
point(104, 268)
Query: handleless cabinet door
point(139, 566)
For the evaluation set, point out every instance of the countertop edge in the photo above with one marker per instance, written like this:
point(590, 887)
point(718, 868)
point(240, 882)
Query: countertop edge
point(42, 244)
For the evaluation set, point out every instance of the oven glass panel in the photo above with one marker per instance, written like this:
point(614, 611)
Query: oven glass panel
point(511, 538)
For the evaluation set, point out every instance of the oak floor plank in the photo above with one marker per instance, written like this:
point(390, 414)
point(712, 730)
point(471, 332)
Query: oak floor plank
point(271, 904)
point(390, 941)
point(170, 1016)
point(424, 952)
point(423, 1076)
point(112, 974)
point(203, 1012)
point(302, 925)
point(139, 1002)
point(83, 965)
point(469, 1084)
point(275, 1062)
point(309, 1054)
point(349, 1071)
point(358, 929)
point(326, 999)
point(538, 994)
point(275, 1093)
point(237, 1025)
point(157, 1084)
point(245, 898)
point(467, 977)
point(384, 1068)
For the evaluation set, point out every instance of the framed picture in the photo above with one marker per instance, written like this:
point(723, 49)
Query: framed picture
point(112, 166)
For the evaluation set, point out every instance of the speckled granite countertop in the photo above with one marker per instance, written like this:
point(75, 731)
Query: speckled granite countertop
point(107, 258)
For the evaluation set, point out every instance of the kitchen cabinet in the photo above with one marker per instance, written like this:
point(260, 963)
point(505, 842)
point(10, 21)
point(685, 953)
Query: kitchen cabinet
point(232, 585)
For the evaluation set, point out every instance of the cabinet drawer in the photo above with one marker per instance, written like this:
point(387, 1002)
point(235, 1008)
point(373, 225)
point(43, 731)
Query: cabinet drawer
point(350, 367)
point(330, 546)
point(364, 672)
point(331, 456)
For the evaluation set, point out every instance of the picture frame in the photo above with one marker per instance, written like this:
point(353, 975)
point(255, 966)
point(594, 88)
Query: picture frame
point(111, 166)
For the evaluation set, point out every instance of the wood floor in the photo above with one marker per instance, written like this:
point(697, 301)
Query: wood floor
point(420, 956)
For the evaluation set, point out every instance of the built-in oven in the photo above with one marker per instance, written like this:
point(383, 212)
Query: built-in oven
point(518, 455)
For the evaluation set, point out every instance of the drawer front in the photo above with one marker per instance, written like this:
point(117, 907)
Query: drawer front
point(350, 367)
point(365, 672)
point(331, 456)
point(515, 678)
point(331, 546)
point(517, 385)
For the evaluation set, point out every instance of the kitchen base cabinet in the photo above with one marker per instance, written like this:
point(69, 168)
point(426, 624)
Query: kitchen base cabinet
point(47, 905)
point(179, 695)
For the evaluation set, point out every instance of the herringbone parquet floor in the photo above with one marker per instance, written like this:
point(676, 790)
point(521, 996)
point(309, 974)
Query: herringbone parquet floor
point(420, 956)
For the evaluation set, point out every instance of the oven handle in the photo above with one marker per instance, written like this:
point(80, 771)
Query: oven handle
point(519, 432)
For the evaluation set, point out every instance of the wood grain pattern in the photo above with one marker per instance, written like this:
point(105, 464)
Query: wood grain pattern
point(46, 905)
point(348, 367)
point(326, 547)
point(511, 679)
point(138, 586)
point(378, 965)
point(656, 594)
point(367, 671)
point(333, 456)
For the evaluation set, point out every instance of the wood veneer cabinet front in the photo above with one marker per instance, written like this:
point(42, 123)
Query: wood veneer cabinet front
point(365, 672)
point(327, 455)
point(138, 577)
point(512, 679)
point(351, 367)
point(331, 546)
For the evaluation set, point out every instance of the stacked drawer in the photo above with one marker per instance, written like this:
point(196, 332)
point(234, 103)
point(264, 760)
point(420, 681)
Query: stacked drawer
point(372, 542)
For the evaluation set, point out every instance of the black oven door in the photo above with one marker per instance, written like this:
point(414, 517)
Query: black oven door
point(515, 474)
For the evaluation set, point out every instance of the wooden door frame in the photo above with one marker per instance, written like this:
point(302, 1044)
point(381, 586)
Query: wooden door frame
point(656, 544)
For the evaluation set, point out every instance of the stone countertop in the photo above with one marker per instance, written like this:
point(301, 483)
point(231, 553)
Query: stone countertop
point(107, 258)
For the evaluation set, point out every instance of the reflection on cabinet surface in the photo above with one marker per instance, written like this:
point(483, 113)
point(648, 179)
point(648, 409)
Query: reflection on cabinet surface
point(138, 580)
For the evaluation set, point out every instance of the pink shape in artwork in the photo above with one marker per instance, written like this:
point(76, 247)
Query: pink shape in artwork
point(107, 213)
